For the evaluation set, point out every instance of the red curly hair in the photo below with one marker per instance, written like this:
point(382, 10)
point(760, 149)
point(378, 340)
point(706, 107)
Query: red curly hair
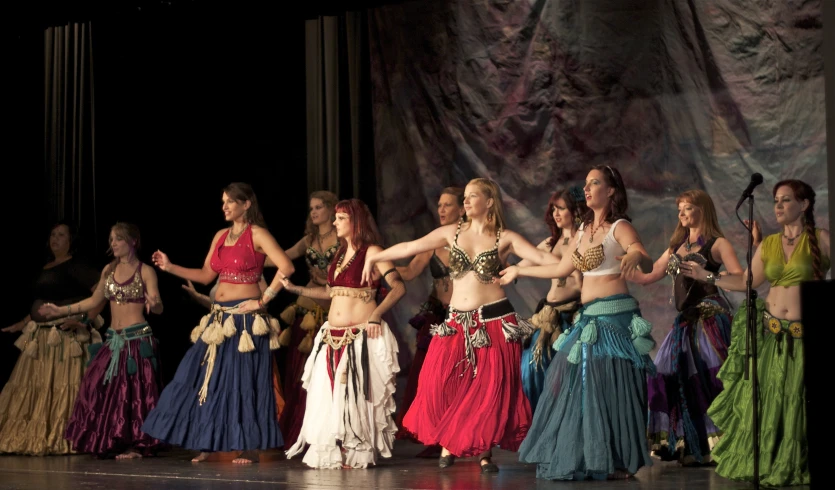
point(363, 228)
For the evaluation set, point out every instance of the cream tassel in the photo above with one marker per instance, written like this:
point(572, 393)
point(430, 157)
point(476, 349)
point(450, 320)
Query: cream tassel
point(96, 336)
point(98, 322)
point(229, 329)
point(32, 349)
point(75, 350)
point(274, 343)
point(274, 325)
point(82, 335)
point(204, 322)
point(212, 333)
point(285, 337)
point(21, 341)
point(209, 361)
point(259, 326)
point(196, 332)
point(54, 337)
point(245, 344)
point(289, 314)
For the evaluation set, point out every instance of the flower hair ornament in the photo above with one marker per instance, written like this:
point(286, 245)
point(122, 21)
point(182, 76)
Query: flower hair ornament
point(577, 194)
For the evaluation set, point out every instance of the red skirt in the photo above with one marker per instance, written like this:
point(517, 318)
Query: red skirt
point(469, 397)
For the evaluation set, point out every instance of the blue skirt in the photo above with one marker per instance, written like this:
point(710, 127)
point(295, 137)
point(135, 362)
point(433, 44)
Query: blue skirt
point(239, 410)
point(591, 419)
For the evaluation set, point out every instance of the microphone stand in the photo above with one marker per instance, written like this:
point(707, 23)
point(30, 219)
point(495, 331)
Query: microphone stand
point(751, 342)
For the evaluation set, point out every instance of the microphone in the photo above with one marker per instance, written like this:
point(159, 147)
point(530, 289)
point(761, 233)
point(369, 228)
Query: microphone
point(756, 179)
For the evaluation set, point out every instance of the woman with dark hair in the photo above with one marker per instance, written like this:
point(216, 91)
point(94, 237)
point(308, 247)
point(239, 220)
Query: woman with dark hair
point(434, 310)
point(37, 400)
point(591, 419)
point(555, 311)
point(318, 246)
point(350, 375)
point(222, 397)
point(469, 396)
point(122, 383)
point(697, 345)
point(797, 254)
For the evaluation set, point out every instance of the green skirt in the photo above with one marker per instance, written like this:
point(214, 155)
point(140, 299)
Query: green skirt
point(782, 405)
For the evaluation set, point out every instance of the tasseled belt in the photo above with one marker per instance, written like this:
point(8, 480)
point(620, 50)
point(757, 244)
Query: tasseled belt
point(497, 310)
point(116, 341)
point(28, 340)
point(548, 320)
point(313, 316)
point(213, 331)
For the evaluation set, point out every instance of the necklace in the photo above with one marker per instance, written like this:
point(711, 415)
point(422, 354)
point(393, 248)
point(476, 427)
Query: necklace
point(790, 239)
point(689, 245)
point(593, 231)
point(234, 236)
point(325, 235)
point(340, 267)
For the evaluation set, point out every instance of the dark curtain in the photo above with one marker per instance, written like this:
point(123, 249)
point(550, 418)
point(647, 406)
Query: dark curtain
point(339, 138)
point(69, 128)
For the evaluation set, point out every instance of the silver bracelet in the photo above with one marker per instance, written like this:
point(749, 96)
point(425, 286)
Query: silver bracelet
point(270, 292)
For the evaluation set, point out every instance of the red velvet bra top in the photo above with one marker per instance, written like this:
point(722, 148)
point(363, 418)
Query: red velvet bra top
point(351, 275)
point(239, 263)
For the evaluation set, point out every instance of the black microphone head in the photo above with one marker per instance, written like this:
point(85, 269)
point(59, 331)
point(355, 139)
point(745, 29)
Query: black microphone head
point(757, 179)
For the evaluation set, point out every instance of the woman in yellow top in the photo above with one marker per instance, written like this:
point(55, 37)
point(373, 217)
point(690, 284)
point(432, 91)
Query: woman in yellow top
point(785, 260)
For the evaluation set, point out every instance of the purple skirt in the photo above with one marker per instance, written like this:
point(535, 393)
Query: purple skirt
point(119, 388)
point(685, 384)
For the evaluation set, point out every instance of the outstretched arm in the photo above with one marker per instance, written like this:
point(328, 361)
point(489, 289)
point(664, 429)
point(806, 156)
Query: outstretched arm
point(635, 258)
point(437, 238)
point(50, 310)
point(543, 245)
point(415, 267)
point(527, 252)
point(204, 275)
point(559, 270)
point(659, 270)
point(296, 250)
point(153, 301)
point(729, 283)
point(398, 289)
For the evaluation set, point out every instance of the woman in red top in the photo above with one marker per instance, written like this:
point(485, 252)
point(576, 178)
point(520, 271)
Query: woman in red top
point(350, 375)
point(221, 397)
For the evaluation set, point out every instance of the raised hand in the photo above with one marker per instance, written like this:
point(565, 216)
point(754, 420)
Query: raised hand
point(693, 270)
point(189, 287)
point(630, 264)
point(48, 310)
point(160, 260)
point(368, 270)
point(151, 302)
point(756, 231)
point(71, 325)
point(17, 327)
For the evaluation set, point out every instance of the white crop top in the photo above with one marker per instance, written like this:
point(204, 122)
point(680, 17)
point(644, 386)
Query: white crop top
point(599, 260)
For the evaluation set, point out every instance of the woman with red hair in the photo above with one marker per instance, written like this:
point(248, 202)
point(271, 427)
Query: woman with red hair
point(350, 374)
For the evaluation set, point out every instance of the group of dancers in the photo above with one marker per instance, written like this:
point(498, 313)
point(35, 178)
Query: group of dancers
point(572, 389)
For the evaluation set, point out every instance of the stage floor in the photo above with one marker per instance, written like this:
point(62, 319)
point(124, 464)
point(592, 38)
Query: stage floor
point(173, 469)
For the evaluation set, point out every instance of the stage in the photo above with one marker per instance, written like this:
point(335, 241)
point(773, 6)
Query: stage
point(173, 469)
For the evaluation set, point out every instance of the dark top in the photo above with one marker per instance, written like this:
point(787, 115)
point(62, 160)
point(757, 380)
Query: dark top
point(64, 284)
point(688, 292)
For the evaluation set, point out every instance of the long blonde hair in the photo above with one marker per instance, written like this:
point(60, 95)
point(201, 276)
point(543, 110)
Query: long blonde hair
point(710, 223)
point(491, 191)
point(329, 199)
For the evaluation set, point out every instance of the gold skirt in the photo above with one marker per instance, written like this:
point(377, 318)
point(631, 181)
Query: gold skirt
point(38, 399)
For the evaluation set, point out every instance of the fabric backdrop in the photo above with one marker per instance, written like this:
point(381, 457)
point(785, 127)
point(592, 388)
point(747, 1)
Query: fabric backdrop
point(676, 94)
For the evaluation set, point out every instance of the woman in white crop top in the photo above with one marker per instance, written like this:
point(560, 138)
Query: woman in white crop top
point(601, 365)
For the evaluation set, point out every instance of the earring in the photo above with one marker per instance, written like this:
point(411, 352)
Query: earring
point(490, 216)
point(577, 220)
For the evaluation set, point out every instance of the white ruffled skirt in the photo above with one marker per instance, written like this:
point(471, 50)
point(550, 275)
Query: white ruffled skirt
point(348, 418)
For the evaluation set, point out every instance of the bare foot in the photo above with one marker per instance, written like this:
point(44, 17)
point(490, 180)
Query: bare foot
point(620, 475)
point(246, 457)
point(201, 457)
point(129, 454)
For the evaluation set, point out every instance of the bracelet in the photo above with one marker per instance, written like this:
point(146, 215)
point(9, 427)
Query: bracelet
point(373, 322)
point(393, 269)
point(269, 292)
point(260, 305)
point(627, 247)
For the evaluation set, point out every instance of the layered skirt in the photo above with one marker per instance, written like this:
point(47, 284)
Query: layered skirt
point(469, 397)
point(591, 419)
point(432, 312)
point(36, 403)
point(222, 397)
point(119, 389)
point(782, 404)
point(350, 383)
point(685, 384)
point(550, 319)
point(304, 318)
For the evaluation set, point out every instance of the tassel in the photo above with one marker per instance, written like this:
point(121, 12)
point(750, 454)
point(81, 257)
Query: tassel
point(98, 322)
point(209, 361)
point(96, 336)
point(204, 322)
point(285, 337)
point(211, 334)
point(644, 345)
point(639, 327)
point(93, 349)
point(31, 327)
point(274, 343)
point(308, 322)
point(560, 341)
point(82, 335)
point(21, 341)
point(555, 335)
point(245, 344)
point(259, 326)
point(306, 345)
point(574, 354)
point(32, 349)
point(589, 335)
point(131, 366)
point(288, 316)
point(196, 333)
point(75, 349)
point(229, 329)
point(54, 337)
point(146, 349)
point(274, 325)
point(154, 363)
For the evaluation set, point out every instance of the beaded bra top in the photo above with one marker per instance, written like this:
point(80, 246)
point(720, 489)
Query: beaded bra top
point(130, 291)
point(437, 268)
point(239, 263)
point(485, 266)
point(599, 260)
point(320, 260)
